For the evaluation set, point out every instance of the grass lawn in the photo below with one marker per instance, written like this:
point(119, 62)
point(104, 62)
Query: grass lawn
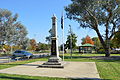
point(109, 69)
point(24, 77)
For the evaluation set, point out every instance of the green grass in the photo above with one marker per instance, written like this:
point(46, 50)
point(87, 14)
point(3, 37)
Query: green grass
point(86, 58)
point(109, 69)
point(11, 64)
point(24, 77)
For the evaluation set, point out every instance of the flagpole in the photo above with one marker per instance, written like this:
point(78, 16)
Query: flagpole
point(62, 26)
point(63, 40)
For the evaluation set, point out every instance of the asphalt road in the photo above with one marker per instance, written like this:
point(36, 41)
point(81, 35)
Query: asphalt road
point(4, 59)
point(7, 59)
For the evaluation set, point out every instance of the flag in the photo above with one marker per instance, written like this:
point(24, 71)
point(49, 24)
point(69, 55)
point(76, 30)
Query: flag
point(62, 22)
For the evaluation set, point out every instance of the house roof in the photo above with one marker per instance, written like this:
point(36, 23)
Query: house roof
point(87, 45)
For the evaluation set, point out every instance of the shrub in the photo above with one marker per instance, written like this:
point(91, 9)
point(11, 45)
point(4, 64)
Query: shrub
point(101, 51)
point(115, 51)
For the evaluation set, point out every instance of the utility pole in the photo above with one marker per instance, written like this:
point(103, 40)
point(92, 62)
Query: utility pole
point(70, 41)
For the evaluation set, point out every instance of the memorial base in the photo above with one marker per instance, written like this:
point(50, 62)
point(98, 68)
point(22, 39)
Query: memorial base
point(53, 62)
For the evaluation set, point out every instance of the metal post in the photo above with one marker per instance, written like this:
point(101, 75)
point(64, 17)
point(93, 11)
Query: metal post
point(70, 40)
point(63, 42)
point(62, 25)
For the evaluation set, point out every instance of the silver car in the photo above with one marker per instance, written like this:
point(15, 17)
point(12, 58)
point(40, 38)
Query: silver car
point(21, 53)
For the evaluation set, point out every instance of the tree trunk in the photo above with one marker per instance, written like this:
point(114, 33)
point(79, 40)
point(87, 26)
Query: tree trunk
point(107, 48)
point(107, 53)
point(107, 39)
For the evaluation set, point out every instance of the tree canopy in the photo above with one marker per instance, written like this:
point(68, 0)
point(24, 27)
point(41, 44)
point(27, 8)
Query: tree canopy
point(72, 38)
point(88, 40)
point(48, 38)
point(33, 44)
point(116, 40)
point(95, 14)
point(12, 32)
point(97, 42)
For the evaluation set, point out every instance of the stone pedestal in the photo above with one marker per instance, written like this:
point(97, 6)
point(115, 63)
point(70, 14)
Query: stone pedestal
point(54, 61)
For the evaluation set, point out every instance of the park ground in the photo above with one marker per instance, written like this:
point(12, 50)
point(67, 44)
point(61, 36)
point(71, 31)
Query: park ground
point(108, 68)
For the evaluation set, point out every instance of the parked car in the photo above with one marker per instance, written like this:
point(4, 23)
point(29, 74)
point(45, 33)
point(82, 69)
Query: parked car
point(21, 53)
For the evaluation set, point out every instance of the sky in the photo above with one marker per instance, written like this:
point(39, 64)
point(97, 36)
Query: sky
point(36, 15)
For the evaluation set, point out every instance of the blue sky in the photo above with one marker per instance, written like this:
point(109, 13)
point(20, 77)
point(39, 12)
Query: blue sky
point(36, 16)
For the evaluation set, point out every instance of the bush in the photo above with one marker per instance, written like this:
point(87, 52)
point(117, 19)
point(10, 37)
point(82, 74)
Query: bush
point(115, 51)
point(101, 51)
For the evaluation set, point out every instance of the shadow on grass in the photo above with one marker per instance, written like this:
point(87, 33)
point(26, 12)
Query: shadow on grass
point(45, 78)
point(15, 78)
point(89, 79)
point(23, 77)
point(75, 57)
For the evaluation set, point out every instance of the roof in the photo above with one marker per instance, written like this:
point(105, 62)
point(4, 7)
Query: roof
point(87, 45)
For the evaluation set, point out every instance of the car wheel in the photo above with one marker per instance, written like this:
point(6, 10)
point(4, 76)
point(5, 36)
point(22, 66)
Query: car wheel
point(31, 57)
point(13, 57)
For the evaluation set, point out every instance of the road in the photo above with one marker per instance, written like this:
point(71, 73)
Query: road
point(7, 59)
point(4, 59)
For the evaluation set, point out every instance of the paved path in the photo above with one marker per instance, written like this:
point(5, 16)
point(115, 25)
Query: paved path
point(4, 59)
point(71, 70)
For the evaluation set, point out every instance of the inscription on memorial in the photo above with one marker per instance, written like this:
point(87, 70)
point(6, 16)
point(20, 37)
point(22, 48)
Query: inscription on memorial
point(53, 47)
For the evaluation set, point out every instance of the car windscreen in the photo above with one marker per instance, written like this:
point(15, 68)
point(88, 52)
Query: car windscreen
point(17, 52)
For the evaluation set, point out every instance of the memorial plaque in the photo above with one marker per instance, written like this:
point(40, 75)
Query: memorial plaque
point(53, 47)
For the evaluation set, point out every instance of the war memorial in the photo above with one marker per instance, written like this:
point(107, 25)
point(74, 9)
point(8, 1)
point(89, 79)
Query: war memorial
point(54, 61)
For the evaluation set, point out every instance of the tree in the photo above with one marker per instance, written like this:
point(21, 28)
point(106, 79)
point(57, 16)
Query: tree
point(43, 46)
point(83, 41)
point(24, 43)
point(33, 44)
point(11, 31)
point(97, 42)
point(94, 14)
point(116, 40)
point(48, 38)
point(74, 41)
point(87, 40)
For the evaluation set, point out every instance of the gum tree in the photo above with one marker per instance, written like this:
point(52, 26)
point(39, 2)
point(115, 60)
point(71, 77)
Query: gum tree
point(95, 14)
point(12, 32)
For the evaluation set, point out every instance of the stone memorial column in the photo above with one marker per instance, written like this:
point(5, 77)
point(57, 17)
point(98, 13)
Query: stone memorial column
point(54, 61)
point(54, 43)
